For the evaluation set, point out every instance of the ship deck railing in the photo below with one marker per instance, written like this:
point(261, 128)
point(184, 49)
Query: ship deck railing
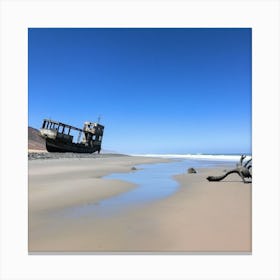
point(59, 124)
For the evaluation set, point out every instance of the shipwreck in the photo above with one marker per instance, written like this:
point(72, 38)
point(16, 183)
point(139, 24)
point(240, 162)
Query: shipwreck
point(59, 139)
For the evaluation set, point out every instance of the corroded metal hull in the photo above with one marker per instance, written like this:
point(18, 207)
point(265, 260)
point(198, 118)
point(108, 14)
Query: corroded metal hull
point(57, 147)
point(59, 140)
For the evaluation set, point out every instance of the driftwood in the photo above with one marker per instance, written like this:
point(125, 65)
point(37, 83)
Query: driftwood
point(242, 169)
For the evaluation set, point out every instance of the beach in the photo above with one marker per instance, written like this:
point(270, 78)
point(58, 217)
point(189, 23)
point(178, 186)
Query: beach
point(200, 216)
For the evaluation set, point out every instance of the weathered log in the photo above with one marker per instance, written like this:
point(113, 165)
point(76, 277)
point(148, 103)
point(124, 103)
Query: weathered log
point(242, 170)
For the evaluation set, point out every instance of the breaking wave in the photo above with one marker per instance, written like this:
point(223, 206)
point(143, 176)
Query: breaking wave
point(195, 156)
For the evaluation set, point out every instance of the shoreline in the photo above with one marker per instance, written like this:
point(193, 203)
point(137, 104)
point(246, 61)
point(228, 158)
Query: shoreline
point(43, 155)
point(199, 217)
point(52, 173)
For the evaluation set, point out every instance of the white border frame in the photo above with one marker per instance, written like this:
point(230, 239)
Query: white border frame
point(261, 15)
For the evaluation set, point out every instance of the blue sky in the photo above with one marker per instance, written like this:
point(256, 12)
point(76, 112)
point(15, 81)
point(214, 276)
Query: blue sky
point(185, 90)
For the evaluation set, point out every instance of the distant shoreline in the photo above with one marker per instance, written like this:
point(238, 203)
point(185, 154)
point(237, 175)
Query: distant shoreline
point(196, 156)
point(43, 154)
point(37, 154)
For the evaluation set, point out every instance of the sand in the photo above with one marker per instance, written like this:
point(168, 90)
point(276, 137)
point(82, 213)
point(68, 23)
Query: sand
point(37, 151)
point(201, 216)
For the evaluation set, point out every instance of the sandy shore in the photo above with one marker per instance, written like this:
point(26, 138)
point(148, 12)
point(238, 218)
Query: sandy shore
point(199, 217)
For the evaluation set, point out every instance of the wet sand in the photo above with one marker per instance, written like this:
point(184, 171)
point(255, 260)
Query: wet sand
point(201, 216)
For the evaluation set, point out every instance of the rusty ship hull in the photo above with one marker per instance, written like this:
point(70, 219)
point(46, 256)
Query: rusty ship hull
point(57, 147)
point(58, 137)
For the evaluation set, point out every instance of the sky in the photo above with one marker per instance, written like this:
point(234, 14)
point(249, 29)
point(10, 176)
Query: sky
point(156, 90)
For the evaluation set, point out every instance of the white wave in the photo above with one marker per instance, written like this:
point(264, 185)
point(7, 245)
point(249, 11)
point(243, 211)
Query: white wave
point(194, 156)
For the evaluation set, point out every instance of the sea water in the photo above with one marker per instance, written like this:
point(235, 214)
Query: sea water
point(153, 182)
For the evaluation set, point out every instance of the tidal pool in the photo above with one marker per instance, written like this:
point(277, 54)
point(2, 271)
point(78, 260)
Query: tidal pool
point(153, 182)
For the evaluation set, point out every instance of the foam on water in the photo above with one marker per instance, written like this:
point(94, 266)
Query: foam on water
point(196, 156)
